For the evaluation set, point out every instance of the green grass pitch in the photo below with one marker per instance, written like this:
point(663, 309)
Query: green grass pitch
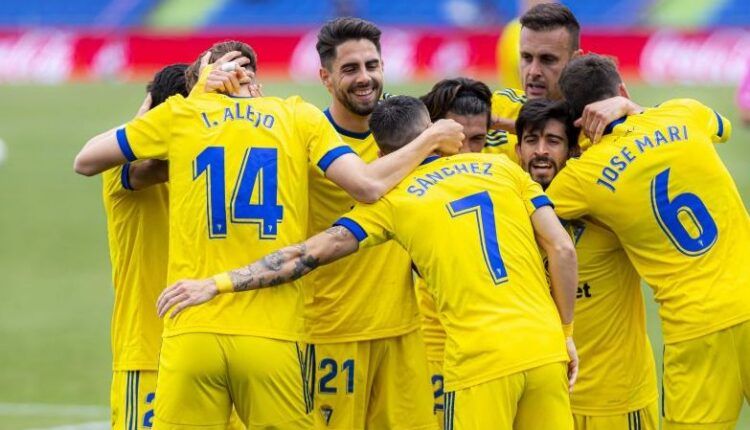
point(56, 299)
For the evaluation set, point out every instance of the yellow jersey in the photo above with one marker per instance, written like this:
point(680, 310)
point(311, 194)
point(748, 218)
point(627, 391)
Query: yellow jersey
point(348, 300)
point(465, 222)
point(658, 183)
point(617, 374)
point(238, 177)
point(433, 332)
point(138, 234)
point(506, 103)
point(508, 55)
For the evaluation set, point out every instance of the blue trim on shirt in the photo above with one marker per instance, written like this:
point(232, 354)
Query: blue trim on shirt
point(125, 177)
point(611, 125)
point(540, 201)
point(721, 124)
point(122, 141)
point(343, 131)
point(332, 155)
point(429, 159)
point(353, 227)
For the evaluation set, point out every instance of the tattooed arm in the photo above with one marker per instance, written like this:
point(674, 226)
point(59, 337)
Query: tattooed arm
point(279, 267)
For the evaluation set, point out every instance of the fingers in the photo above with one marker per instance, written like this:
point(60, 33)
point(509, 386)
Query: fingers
point(168, 297)
point(145, 106)
point(204, 61)
point(572, 374)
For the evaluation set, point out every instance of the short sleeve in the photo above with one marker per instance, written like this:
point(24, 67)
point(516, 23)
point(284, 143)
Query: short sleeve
point(116, 181)
point(715, 124)
point(567, 193)
point(370, 224)
point(323, 142)
point(532, 194)
point(148, 135)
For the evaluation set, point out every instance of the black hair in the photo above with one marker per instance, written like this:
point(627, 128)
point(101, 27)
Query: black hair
point(535, 114)
point(550, 16)
point(167, 82)
point(462, 96)
point(341, 30)
point(587, 79)
point(397, 121)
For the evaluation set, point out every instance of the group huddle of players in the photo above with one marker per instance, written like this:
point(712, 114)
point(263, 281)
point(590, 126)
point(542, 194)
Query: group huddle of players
point(414, 263)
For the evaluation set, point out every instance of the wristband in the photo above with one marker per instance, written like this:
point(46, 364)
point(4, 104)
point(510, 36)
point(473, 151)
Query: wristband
point(223, 283)
point(568, 329)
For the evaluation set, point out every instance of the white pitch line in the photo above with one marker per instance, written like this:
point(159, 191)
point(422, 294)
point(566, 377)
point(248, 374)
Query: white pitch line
point(93, 425)
point(45, 409)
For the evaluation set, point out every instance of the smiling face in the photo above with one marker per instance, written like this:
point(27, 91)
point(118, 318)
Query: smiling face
point(355, 78)
point(544, 54)
point(475, 130)
point(544, 152)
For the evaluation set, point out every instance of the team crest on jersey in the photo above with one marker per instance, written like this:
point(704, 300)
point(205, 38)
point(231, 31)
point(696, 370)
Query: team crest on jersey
point(326, 412)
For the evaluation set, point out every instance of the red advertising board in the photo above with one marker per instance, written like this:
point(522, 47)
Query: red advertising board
point(48, 55)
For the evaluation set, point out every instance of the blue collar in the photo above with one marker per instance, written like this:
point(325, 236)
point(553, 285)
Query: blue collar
point(342, 131)
point(611, 125)
point(429, 159)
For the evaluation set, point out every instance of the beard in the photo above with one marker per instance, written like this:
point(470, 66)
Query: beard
point(349, 99)
point(542, 176)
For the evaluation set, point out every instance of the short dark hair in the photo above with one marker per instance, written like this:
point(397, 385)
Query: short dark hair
point(341, 30)
point(550, 16)
point(462, 96)
point(396, 120)
point(587, 79)
point(535, 114)
point(167, 82)
point(217, 50)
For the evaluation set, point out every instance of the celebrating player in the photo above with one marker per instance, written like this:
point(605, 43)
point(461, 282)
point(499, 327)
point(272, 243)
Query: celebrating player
point(492, 297)
point(371, 370)
point(137, 227)
point(616, 388)
point(238, 189)
point(657, 182)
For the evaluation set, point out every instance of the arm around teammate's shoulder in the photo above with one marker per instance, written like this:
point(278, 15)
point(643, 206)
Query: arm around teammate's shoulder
point(369, 182)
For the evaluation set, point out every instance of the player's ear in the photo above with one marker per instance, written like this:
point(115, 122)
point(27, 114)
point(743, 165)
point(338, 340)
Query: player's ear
point(577, 53)
point(518, 148)
point(623, 90)
point(325, 77)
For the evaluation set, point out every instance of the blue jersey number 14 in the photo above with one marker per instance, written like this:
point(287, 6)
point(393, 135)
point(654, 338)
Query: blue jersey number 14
point(481, 206)
point(259, 164)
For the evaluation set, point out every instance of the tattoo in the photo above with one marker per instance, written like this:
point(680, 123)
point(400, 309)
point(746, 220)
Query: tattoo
point(243, 278)
point(339, 232)
point(305, 264)
point(274, 261)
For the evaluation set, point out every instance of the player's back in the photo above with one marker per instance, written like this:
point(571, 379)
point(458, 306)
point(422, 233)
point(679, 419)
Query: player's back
point(465, 221)
point(238, 190)
point(659, 184)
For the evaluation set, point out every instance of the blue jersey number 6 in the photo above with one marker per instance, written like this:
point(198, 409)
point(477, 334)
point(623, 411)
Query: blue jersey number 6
point(667, 214)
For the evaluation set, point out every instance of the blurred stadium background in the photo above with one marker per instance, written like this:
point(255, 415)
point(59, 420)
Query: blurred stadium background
point(71, 69)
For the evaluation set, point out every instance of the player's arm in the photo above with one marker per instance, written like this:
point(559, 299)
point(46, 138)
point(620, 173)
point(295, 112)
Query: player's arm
point(100, 153)
point(368, 182)
point(596, 116)
point(279, 267)
point(145, 173)
point(563, 270)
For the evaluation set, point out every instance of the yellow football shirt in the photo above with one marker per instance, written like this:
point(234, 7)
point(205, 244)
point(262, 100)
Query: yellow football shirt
point(433, 332)
point(138, 234)
point(238, 175)
point(617, 372)
point(465, 221)
point(657, 181)
point(349, 300)
point(506, 103)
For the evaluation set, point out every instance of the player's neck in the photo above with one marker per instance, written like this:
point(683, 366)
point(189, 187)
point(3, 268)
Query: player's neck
point(349, 120)
point(244, 91)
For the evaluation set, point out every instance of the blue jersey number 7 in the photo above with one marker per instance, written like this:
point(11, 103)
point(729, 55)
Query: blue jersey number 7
point(480, 205)
point(258, 164)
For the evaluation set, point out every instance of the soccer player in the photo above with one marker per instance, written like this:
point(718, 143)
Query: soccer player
point(467, 102)
point(616, 387)
point(550, 38)
point(238, 189)
point(135, 203)
point(656, 181)
point(492, 296)
point(370, 366)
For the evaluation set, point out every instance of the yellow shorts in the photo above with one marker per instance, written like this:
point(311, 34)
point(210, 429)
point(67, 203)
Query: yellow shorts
point(641, 419)
point(132, 399)
point(533, 399)
point(373, 384)
point(705, 379)
point(438, 391)
point(201, 375)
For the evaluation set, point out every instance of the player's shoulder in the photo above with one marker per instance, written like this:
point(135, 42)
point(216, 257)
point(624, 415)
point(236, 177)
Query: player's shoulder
point(509, 95)
point(682, 104)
